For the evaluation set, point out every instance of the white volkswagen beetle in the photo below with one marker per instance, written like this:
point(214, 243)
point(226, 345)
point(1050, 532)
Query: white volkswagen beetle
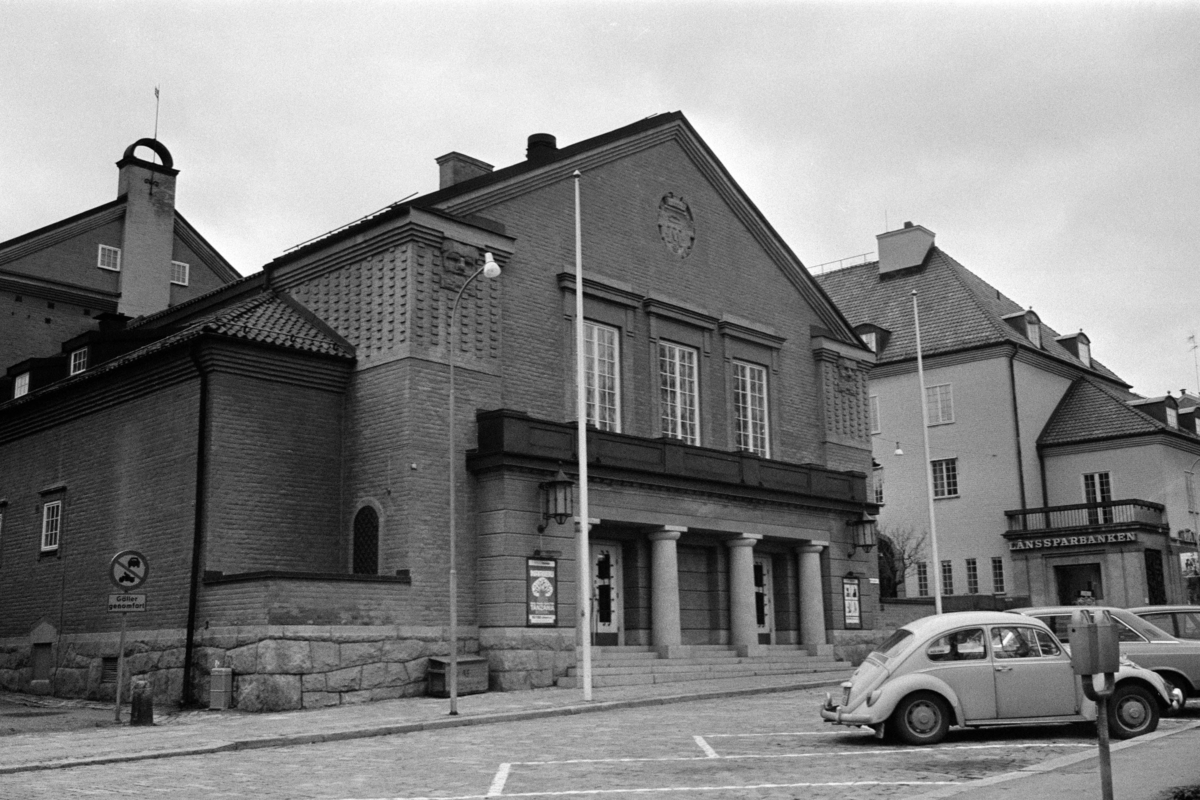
point(977, 668)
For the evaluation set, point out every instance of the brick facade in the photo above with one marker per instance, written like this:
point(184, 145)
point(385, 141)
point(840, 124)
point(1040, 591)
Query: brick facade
point(323, 392)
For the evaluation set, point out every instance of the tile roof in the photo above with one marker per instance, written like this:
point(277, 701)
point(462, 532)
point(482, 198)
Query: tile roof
point(958, 310)
point(264, 318)
point(1092, 410)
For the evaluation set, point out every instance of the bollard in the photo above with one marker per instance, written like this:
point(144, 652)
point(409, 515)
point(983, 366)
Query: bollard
point(141, 704)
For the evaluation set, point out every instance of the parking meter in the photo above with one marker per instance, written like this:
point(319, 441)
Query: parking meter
point(1096, 653)
point(1095, 649)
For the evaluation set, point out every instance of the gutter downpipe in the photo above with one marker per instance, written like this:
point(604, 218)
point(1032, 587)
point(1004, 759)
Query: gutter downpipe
point(198, 528)
point(1012, 387)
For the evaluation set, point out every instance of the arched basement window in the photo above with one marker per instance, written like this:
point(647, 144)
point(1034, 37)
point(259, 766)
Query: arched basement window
point(366, 541)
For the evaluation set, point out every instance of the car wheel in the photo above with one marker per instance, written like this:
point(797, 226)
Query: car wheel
point(921, 718)
point(1132, 711)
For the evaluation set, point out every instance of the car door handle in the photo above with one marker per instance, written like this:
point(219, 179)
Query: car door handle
point(1004, 669)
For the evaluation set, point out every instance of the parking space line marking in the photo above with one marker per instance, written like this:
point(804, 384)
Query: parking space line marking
point(497, 787)
point(703, 745)
point(814, 754)
point(790, 733)
point(582, 792)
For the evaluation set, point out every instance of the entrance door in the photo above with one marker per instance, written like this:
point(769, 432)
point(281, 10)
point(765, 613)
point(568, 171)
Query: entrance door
point(1079, 583)
point(607, 594)
point(764, 609)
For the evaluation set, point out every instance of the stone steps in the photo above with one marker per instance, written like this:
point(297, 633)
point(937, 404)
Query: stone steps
point(635, 666)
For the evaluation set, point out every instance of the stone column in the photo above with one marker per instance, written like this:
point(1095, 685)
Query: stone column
point(812, 604)
point(664, 591)
point(743, 632)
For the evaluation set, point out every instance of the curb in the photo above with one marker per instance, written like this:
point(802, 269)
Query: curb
point(288, 740)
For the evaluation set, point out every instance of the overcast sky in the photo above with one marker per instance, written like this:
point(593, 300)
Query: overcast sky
point(1051, 147)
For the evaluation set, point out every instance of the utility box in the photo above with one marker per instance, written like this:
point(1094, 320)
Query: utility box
point(220, 690)
point(1095, 647)
point(472, 676)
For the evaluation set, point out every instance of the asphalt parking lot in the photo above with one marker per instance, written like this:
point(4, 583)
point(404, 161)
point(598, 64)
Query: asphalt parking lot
point(757, 746)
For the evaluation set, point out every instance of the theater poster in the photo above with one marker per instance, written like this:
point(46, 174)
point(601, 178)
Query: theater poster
point(541, 596)
point(850, 600)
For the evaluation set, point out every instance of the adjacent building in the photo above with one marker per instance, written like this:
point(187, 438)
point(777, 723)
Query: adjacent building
point(278, 449)
point(1052, 481)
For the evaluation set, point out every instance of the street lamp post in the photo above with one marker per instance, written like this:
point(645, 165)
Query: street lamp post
point(933, 543)
point(490, 269)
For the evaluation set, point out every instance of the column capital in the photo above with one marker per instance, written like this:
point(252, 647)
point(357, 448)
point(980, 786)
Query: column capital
point(745, 540)
point(810, 548)
point(667, 533)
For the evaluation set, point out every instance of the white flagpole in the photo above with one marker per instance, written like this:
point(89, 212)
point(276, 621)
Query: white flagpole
point(583, 522)
point(937, 565)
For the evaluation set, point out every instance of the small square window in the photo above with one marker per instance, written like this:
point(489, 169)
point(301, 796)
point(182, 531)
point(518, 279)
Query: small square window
point(939, 404)
point(79, 361)
point(109, 258)
point(179, 273)
point(21, 385)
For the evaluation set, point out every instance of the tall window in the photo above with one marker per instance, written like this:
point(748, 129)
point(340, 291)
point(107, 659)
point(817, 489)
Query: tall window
point(51, 525)
point(366, 542)
point(972, 577)
point(877, 473)
point(79, 361)
point(678, 393)
point(947, 578)
point(21, 385)
point(945, 477)
point(874, 406)
point(750, 407)
point(1033, 330)
point(179, 273)
point(1085, 352)
point(602, 375)
point(998, 575)
point(1097, 488)
point(939, 403)
point(1172, 417)
point(922, 579)
point(109, 258)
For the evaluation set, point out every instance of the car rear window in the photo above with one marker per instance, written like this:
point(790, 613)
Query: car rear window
point(894, 643)
point(1163, 621)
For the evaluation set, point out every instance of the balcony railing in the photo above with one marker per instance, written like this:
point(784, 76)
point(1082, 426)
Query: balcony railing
point(1113, 513)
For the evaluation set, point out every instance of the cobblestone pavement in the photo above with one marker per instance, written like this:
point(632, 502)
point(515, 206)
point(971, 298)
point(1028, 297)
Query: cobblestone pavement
point(757, 746)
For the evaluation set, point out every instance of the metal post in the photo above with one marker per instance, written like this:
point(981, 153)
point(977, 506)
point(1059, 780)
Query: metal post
point(453, 677)
point(120, 668)
point(1106, 789)
point(584, 525)
point(937, 564)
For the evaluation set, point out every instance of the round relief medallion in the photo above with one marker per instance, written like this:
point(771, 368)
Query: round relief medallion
point(675, 224)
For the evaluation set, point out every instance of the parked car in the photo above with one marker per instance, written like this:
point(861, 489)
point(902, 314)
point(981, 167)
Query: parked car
point(1180, 621)
point(978, 668)
point(1176, 660)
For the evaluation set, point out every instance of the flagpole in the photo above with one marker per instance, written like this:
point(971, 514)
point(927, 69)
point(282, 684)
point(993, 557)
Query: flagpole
point(583, 521)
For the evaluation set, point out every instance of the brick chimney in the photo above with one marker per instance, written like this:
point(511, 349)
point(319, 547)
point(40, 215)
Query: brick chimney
point(904, 248)
point(455, 168)
point(148, 238)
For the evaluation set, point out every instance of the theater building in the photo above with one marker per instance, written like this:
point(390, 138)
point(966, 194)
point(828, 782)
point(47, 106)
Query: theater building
point(279, 449)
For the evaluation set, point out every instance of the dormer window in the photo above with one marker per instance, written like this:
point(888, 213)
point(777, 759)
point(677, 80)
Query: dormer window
point(1172, 416)
point(1033, 329)
point(21, 385)
point(79, 361)
point(873, 336)
point(109, 258)
point(1027, 323)
point(871, 339)
point(1085, 352)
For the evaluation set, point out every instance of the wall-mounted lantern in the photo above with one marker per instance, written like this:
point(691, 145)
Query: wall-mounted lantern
point(863, 535)
point(558, 499)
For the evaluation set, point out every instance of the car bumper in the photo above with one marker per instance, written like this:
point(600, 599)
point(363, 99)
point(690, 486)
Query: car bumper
point(838, 716)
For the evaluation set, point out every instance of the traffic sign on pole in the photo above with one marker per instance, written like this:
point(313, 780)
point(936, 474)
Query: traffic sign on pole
point(128, 570)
